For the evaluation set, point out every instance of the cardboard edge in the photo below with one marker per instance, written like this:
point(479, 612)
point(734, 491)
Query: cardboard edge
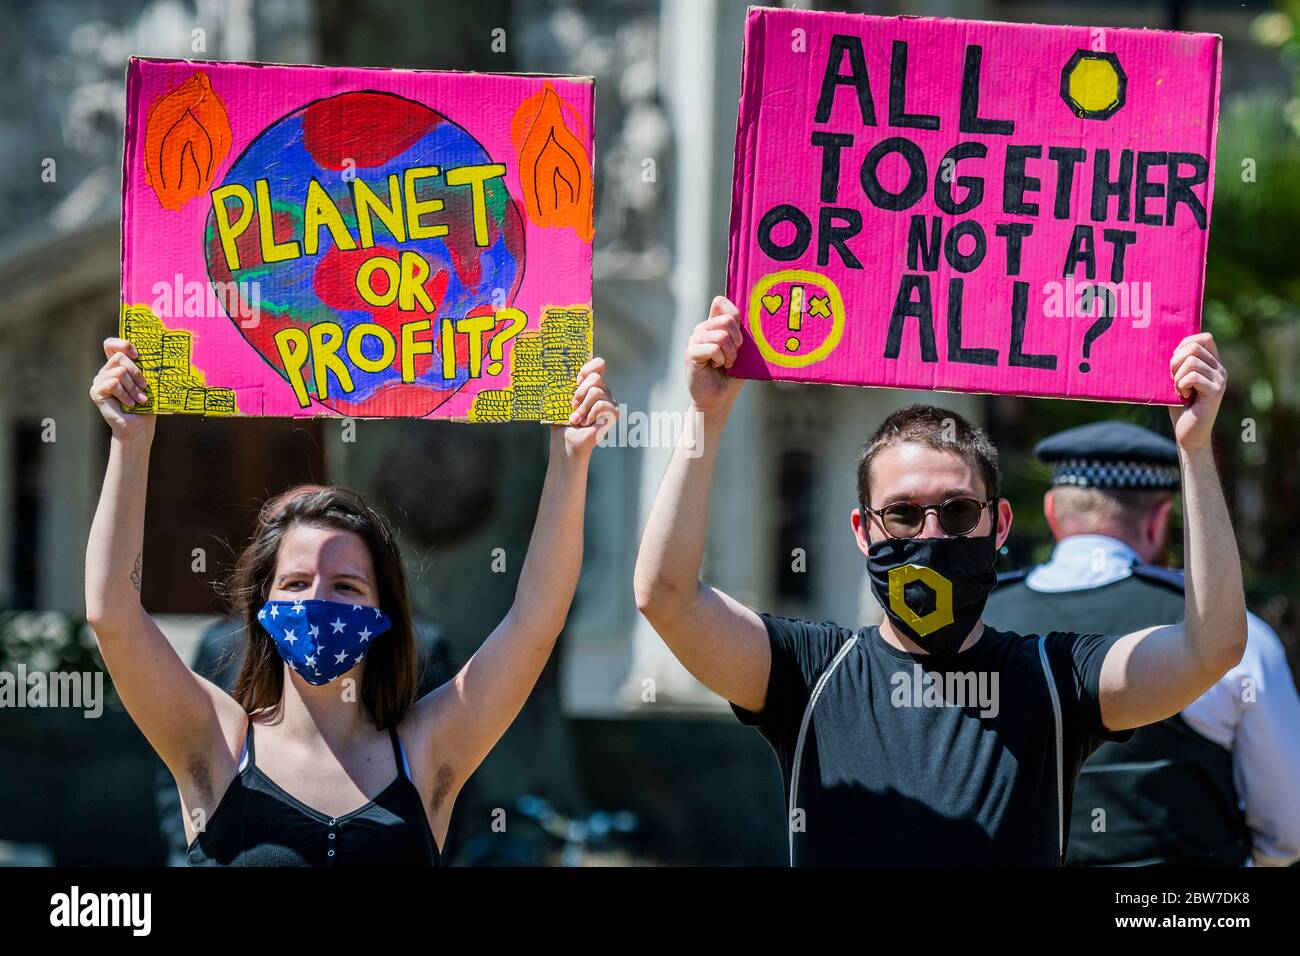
point(1209, 183)
point(256, 393)
point(994, 23)
point(735, 261)
point(751, 78)
point(1111, 400)
point(591, 251)
point(574, 77)
point(128, 156)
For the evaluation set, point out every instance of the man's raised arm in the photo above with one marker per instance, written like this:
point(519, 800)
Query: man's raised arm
point(1154, 673)
point(722, 642)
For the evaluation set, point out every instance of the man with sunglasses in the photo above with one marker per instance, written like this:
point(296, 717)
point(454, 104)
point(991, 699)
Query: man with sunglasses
point(933, 739)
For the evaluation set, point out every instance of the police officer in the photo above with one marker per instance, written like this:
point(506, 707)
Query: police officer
point(1218, 783)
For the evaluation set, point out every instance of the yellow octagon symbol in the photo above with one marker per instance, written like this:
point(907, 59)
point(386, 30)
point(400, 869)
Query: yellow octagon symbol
point(901, 577)
point(1094, 84)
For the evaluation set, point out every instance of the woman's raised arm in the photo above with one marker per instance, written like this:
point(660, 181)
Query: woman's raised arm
point(460, 721)
point(176, 710)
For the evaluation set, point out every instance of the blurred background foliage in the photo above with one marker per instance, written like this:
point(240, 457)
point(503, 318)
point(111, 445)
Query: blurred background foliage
point(1252, 306)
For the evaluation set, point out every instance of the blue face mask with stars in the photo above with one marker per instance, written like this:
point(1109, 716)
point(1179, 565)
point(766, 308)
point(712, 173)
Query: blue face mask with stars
point(322, 640)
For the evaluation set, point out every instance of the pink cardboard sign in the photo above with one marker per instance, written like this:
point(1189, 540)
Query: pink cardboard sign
point(979, 207)
point(304, 241)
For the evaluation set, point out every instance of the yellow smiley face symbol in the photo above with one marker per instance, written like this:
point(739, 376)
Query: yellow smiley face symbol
point(811, 295)
point(899, 578)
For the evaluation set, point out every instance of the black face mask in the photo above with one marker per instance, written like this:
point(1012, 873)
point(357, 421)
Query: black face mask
point(933, 589)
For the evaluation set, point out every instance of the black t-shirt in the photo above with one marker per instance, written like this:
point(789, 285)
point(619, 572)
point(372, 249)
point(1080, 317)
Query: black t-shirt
point(890, 774)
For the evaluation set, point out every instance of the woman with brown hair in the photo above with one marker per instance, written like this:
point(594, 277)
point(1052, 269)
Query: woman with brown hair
point(322, 755)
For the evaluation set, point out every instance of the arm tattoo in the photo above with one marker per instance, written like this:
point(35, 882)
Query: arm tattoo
point(137, 573)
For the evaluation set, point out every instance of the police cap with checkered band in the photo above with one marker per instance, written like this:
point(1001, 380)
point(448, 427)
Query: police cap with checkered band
point(1111, 455)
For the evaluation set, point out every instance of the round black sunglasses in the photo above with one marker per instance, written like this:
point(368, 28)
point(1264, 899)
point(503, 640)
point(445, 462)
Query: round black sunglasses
point(903, 519)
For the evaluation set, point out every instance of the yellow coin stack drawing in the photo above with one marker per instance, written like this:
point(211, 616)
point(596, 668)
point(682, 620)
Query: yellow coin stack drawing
point(173, 384)
point(491, 405)
point(543, 371)
point(527, 377)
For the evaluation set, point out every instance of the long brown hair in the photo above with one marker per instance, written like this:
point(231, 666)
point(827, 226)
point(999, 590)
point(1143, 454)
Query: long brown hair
point(391, 680)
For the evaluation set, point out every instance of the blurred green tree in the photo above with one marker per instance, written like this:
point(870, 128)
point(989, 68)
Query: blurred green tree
point(1252, 306)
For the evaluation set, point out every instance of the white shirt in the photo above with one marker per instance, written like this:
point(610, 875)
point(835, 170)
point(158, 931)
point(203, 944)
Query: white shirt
point(1253, 710)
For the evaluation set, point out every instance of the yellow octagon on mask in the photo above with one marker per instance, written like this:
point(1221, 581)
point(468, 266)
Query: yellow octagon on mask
point(899, 578)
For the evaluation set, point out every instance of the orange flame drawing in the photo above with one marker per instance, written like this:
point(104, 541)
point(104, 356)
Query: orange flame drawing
point(186, 137)
point(554, 166)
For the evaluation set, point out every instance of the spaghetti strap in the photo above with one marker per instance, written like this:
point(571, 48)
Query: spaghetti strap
point(247, 753)
point(399, 754)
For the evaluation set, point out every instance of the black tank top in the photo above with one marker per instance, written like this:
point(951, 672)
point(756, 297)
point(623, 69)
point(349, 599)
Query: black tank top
point(258, 824)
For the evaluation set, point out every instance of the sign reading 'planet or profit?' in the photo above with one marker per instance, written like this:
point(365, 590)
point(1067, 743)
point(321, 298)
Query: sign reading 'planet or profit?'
point(982, 207)
point(308, 241)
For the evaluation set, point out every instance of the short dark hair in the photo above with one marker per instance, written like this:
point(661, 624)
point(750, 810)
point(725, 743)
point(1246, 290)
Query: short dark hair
point(937, 428)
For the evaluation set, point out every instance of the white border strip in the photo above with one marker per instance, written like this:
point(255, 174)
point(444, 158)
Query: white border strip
point(803, 733)
point(1060, 747)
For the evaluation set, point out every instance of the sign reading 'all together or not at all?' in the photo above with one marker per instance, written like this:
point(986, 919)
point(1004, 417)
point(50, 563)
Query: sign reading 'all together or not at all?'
point(939, 204)
point(305, 241)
